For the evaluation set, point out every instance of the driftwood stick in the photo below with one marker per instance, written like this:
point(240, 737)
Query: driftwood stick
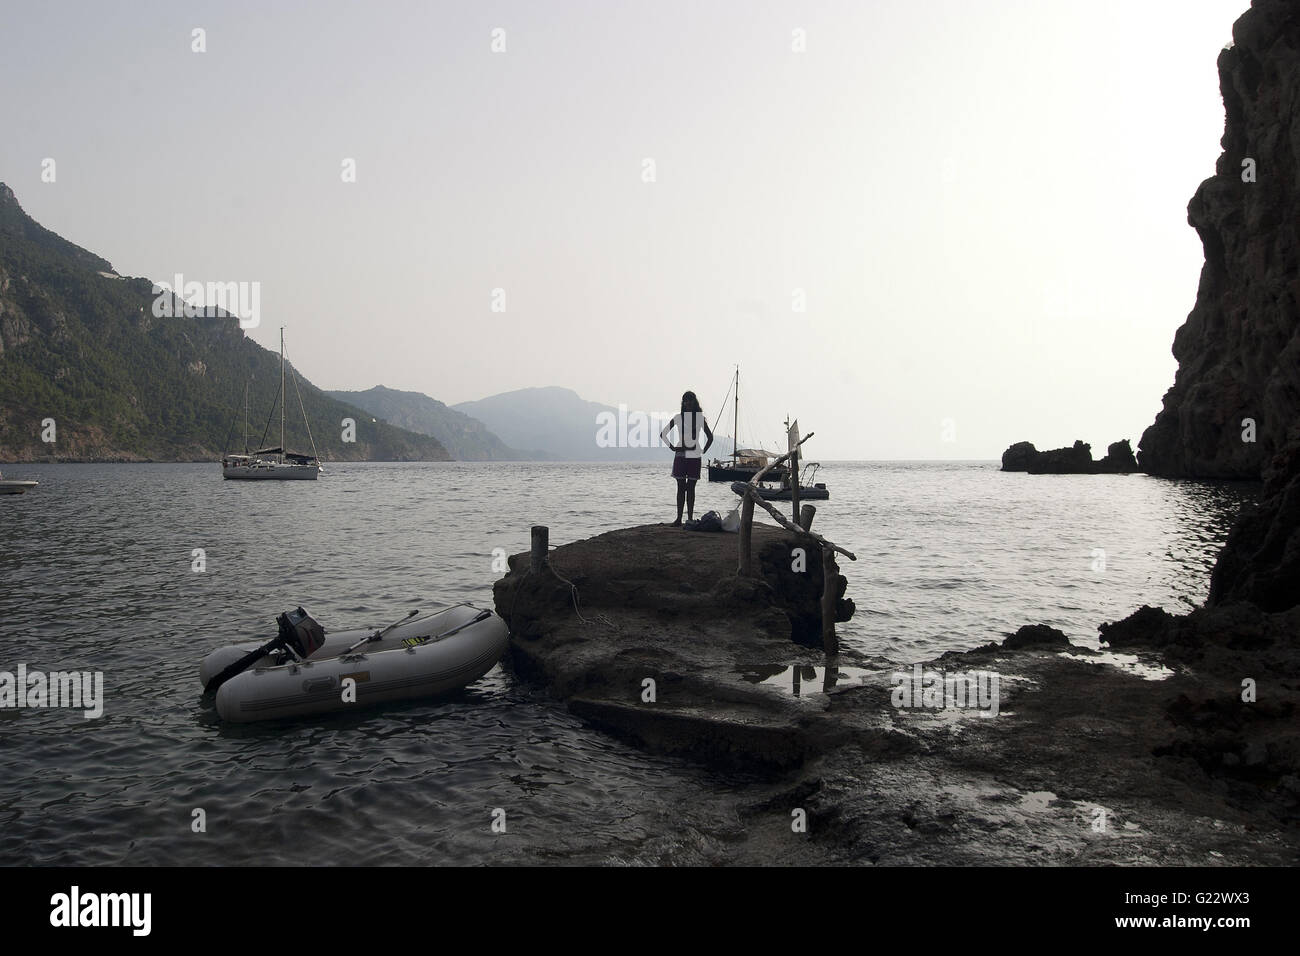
point(748, 491)
point(759, 477)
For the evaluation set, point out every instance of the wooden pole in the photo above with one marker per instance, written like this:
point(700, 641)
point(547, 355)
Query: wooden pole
point(541, 546)
point(794, 486)
point(806, 514)
point(830, 584)
point(746, 527)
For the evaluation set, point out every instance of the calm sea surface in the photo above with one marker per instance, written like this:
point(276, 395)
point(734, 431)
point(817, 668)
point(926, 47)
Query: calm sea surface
point(96, 574)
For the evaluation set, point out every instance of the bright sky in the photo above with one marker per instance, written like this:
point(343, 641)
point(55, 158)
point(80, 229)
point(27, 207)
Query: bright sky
point(980, 203)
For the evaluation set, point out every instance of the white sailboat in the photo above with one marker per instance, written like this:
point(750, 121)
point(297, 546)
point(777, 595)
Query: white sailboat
point(276, 464)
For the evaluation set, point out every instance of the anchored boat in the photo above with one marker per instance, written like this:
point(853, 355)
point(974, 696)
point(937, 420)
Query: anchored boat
point(817, 492)
point(277, 464)
point(14, 486)
point(745, 463)
point(303, 671)
point(809, 490)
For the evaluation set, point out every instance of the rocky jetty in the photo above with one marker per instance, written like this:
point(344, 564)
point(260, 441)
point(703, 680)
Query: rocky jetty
point(1075, 460)
point(1237, 390)
point(649, 634)
point(662, 604)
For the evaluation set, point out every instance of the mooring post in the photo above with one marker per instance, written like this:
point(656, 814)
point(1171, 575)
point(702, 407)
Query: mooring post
point(830, 585)
point(746, 526)
point(541, 546)
point(806, 516)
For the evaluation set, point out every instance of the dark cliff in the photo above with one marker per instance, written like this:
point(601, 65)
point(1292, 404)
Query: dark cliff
point(1239, 350)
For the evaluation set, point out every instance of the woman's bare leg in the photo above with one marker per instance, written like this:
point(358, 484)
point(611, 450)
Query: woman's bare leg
point(690, 500)
point(681, 499)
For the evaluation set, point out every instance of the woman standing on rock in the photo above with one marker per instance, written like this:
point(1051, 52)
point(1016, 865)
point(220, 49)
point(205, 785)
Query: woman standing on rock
point(686, 462)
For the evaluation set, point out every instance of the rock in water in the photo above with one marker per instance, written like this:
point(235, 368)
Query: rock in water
point(1019, 456)
point(1075, 460)
point(1119, 459)
point(1239, 350)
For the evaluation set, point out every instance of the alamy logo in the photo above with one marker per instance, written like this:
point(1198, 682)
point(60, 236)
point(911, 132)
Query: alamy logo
point(631, 429)
point(209, 300)
point(75, 908)
point(79, 690)
point(937, 690)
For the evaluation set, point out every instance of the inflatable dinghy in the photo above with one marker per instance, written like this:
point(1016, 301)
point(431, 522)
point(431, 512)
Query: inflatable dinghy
point(303, 671)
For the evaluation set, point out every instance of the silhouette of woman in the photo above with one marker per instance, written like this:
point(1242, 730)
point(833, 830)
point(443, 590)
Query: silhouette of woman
point(686, 460)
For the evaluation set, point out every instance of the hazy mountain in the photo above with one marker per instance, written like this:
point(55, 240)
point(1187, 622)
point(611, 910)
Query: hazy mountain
point(467, 439)
point(567, 427)
point(81, 345)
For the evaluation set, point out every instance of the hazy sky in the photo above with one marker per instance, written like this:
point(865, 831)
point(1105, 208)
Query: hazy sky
point(982, 201)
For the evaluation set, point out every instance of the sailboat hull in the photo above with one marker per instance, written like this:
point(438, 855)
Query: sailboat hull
point(271, 471)
point(729, 473)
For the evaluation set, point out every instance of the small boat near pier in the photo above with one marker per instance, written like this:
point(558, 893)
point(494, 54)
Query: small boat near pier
point(303, 671)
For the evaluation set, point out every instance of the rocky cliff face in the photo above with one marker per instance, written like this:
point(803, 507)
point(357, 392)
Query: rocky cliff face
point(1239, 350)
point(1260, 562)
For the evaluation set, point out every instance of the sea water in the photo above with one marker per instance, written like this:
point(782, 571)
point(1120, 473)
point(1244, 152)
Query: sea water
point(136, 571)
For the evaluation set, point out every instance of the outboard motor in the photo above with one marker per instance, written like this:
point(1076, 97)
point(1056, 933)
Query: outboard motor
point(300, 631)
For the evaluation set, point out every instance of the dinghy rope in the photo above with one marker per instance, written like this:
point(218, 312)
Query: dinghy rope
point(573, 594)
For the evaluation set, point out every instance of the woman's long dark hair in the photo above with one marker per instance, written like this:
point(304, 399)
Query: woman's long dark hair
point(690, 403)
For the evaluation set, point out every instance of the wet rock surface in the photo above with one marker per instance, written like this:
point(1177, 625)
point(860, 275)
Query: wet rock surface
point(1093, 757)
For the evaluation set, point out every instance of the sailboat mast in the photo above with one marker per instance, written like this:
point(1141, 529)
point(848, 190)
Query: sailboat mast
point(282, 394)
point(245, 418)
point(735, 423)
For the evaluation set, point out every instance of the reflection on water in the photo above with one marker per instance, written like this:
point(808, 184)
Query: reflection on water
point(803, 679)
point(97, 570)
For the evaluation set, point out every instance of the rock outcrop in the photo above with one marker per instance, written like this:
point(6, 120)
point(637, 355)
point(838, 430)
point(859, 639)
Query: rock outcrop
point(1075, 460)
point(1238, 353)
point(1238, 720)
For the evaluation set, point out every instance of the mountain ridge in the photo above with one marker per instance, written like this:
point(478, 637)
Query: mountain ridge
point(561, 422)
point(466, 438)
point(85, 362)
